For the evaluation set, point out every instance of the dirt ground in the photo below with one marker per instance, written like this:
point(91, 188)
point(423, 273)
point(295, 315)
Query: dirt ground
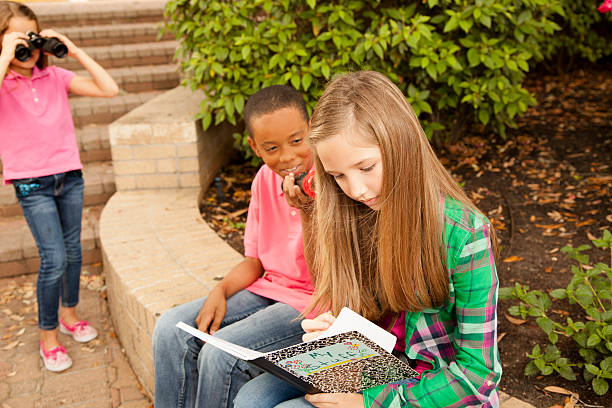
point(547, 185)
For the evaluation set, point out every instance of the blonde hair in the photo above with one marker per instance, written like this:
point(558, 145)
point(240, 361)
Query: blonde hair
point(10, 9)
point(392, 259)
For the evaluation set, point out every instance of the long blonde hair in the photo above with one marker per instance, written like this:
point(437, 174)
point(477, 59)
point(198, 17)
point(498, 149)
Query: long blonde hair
point(392, 259)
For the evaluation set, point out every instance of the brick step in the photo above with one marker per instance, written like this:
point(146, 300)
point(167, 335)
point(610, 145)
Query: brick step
point(18, 252)
point(93, 143)
point(60, 14)
point(99, 186)
point(114, 34)
point(124, 55)
point(144, 78)
point(89, 110)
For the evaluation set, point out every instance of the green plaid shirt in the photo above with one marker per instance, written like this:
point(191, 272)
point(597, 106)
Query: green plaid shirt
point(458, 339)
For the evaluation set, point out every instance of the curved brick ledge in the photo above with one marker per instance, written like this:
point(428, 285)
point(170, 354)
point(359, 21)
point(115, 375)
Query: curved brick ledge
point(157, 250)
point(158, 253)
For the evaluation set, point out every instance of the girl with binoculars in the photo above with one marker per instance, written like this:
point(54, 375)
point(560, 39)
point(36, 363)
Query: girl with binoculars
point(40, 157)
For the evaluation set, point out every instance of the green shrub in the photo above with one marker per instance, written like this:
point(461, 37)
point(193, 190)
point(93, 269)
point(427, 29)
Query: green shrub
point(591, 289)
point(458, 61)
point(585, 34)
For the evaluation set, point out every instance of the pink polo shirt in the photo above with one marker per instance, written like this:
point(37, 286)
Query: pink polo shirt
point(36, 130)
point(273, 234)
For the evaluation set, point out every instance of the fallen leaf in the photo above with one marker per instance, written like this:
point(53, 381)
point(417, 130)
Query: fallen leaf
point(237, 213)
point(12, 374)
point(11, 345)
point(583, 223)
point(514, 320)
point(20, 332)
point(532, 218)
point(609, 217)
point(550, 227)
point(552, 251)
point(558, 390)
point(513, 258)
point(501, 336)
point(548, 270)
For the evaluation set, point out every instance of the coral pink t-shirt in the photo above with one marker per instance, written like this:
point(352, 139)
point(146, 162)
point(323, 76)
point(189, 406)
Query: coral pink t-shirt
point(36, 130)
point(273, 234)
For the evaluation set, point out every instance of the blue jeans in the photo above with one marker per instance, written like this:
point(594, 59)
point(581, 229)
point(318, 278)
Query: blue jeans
point(53, 206)
point(268, 391)
point(189, 374)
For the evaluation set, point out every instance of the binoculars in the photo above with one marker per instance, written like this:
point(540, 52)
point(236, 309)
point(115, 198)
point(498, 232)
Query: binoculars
point(51, 45)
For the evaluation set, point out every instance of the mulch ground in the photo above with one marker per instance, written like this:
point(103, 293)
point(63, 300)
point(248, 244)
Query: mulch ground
point(547, 185)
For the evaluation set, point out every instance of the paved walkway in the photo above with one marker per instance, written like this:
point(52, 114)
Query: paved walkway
point(100, 376)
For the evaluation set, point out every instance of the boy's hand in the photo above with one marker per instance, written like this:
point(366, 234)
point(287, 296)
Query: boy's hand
point(314, 327)
point(212, 312)
point(335, 400)
point(48, 33)
point(293, 193)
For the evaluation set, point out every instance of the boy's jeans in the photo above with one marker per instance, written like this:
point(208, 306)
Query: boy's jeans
point(267, 391)
point(52, 206)
point(188, 374)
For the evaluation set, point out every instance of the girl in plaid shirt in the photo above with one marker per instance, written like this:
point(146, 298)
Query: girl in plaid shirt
point(398, 241)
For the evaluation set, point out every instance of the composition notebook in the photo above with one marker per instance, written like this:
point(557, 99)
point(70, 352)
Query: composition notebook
point(341, 362)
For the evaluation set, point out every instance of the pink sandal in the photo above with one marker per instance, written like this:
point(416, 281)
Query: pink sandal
point(55, 360)
point(81, 331)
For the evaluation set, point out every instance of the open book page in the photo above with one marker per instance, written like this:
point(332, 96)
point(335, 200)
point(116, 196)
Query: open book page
point(348, 320)
point(230, 348)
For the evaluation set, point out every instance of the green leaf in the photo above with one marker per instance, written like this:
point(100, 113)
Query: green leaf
point(545, 324)
point(451, 24)
point(311, 3)
point(206, 120)
point(505, 293)
point(246, 51)
point(567, 373)
point(606, 365)
point(600, 386)
point(378, 50)
point(593, 340)
point(473, 57)
point(295, 81)
point(306, 81)
point(483, 116)
point(592, 369)
point(325, 70)
point(531, 369)
point(558, 293)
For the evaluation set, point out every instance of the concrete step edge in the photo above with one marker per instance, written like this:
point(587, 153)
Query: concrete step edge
point(63, 14)
point(162, 76)
point(121, 55)
point(120, 33)
point(89, 110)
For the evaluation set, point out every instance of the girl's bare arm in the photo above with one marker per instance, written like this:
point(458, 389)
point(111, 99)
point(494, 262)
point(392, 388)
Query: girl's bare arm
point(100, 83)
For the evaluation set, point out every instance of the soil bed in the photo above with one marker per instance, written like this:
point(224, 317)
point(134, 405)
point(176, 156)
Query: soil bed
point(547, 185)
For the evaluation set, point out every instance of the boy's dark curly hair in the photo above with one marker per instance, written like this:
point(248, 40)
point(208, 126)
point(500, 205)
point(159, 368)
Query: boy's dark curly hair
point(270, 99)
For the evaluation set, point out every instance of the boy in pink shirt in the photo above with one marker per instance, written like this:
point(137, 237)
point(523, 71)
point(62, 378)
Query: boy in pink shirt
point(258, 303)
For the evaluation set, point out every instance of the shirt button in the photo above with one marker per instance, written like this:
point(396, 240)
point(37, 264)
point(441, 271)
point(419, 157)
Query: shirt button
point(33, 89)
point(293, 212)
point(35, 99)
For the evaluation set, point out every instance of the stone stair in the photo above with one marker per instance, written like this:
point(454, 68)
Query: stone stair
point(123, 37)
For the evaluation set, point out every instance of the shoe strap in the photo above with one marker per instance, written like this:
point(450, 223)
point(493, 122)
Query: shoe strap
point(52, 353)
point(78, 325)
